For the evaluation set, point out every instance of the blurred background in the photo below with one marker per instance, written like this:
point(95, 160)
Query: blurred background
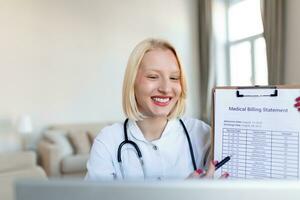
point(62, 64)
point(62, 61)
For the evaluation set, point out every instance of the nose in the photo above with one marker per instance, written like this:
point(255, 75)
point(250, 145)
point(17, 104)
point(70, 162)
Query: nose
point(164, 86)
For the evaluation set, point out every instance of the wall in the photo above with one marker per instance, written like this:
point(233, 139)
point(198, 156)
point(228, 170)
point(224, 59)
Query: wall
point(292, 47)
point(62, 61)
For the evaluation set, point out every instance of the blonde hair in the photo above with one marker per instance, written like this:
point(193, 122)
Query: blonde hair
point(130, 106)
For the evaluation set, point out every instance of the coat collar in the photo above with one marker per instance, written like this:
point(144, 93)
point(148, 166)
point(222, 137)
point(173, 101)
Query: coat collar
point(135, 132)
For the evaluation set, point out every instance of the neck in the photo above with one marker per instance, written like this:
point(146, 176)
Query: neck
point(152, 128)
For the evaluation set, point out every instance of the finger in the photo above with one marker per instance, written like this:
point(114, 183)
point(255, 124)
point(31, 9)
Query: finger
point(211, 169)
point(193, 175)
point(196, 174)
point(224, 175)
point(199, 171)
point(297, 104)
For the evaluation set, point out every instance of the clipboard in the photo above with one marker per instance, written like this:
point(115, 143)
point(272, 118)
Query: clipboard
point(259, 128)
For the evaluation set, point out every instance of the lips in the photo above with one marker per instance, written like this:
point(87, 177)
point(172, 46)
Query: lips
point(161, 101)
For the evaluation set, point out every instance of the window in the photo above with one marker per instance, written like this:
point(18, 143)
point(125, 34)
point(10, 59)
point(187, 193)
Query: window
point(245, 43)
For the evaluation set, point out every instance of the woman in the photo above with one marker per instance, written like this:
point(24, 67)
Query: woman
point(154, 93)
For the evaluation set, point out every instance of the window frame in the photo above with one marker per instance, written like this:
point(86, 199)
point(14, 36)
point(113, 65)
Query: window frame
point(230, 43)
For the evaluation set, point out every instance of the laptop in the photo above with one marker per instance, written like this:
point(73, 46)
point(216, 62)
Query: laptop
point(175, 190)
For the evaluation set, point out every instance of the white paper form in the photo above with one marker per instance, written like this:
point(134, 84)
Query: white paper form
point(261, 133)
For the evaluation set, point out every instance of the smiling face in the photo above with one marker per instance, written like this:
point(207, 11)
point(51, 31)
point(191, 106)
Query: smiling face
point(157, 85)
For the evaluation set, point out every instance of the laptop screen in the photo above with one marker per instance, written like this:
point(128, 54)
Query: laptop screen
point(175, 190)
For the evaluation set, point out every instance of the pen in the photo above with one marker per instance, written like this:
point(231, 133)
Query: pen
point(219, 164)
point(222, 162)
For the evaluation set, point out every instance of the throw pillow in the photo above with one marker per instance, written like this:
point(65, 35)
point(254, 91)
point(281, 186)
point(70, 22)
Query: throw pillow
point(80, 142)
point(59, 137)
point(92, 135)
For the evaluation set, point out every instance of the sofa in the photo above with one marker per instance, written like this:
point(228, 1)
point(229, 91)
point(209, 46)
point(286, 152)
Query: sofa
point(64, 149)
point(15, 166)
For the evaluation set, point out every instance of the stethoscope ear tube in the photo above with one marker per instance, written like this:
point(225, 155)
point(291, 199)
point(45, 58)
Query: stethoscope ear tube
point(190, 145)
point(127, 141)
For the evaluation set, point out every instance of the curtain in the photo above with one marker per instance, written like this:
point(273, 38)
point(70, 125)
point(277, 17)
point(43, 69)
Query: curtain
point(272, 17)
point(207, 77)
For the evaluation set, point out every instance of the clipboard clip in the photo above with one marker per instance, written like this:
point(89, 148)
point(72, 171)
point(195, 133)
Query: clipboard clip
point(274, 94)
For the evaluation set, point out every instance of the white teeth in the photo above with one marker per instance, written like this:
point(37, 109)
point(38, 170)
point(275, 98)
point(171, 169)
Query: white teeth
point(161, 100)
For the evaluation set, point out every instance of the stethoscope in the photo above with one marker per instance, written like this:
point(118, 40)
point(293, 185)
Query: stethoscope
point(138, 151)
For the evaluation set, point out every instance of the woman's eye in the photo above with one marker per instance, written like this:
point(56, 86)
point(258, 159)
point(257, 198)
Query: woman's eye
point(175, 78)
point(152, 76)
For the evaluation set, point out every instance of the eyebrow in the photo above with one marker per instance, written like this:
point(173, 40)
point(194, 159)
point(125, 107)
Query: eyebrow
point(154, 70)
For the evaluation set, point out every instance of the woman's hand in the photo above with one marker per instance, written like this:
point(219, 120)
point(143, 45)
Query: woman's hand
point(209, 174)
point(297, 104)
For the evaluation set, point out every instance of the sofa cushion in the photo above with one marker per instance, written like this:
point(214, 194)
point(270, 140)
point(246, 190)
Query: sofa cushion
point(80, 142)
point(74, 163)
point(59, 137)
point(8, 179)
point(17, 160)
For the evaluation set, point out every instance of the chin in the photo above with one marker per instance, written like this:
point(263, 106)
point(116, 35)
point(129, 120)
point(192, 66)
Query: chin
point(152, 113)
point(160, 115)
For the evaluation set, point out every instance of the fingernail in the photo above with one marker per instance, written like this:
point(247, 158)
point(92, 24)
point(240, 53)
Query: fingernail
point(226, 174)
point(199, 171)
point(215, 162)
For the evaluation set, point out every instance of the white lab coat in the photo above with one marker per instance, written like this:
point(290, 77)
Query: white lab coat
point(165, 158)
